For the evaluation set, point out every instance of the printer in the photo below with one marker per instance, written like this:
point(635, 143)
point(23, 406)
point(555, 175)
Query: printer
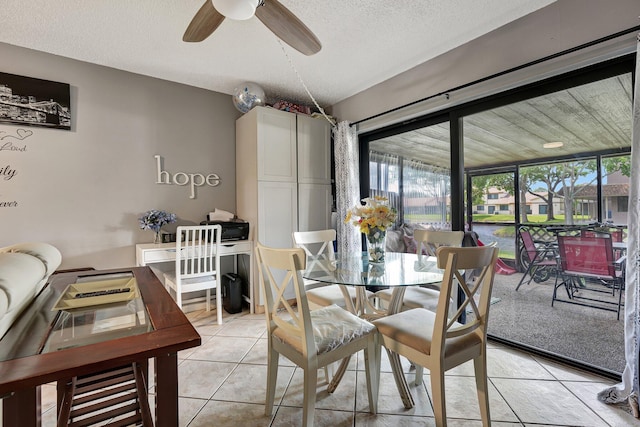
point(235, 229)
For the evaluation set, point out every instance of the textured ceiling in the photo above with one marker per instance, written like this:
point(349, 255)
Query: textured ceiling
point(364, 41)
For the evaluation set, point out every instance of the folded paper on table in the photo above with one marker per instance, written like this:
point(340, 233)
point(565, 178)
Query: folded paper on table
point(221, 215)
point(68, 300)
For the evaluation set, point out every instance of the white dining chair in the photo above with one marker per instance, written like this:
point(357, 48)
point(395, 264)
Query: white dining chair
point(438, 342)
point(427, 242)
point(197, 264)
point(318, 246)
point(311, 339)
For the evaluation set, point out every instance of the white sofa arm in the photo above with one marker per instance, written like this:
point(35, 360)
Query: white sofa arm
point(49, 255)
point(19, 275)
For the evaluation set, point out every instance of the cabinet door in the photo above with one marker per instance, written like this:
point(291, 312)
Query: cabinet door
point(314, 207)
point(277, 213)
point(314, 150)
point(276, 146)
point(277, 220)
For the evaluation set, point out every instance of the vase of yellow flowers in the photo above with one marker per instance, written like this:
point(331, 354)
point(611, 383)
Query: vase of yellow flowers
point(373, 218)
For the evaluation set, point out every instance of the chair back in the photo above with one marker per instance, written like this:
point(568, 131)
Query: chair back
point(282, 317)
point(477, 291)
point(588, 254)
point(318, 246)
point(614, 233)
point(528, 243)
point(197, 251)
point(431, 240)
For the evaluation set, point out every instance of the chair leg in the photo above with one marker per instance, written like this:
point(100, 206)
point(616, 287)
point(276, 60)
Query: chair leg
point(482, 386)
point(309, 391)
point(272, 378)
point(179, 297)
point(525, 275)
point(219, 304)
point(437, 396)
point(208, 300)
point(419, 374)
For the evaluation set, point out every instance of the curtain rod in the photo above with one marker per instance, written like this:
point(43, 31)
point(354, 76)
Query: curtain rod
point(501, 73)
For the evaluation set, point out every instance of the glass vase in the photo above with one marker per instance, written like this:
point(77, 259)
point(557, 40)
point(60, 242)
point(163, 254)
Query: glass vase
point(376, 244)
point(157, 238)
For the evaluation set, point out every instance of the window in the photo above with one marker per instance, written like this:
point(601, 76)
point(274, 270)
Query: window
point(538, 154)
point(413, 175)
point(623, 203)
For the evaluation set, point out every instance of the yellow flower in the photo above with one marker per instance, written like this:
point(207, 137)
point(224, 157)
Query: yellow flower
point(374, 214)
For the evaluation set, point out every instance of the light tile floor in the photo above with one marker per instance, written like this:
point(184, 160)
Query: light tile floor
point(222, 383)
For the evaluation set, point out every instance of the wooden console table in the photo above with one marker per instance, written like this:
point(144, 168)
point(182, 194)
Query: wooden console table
point(30, 355)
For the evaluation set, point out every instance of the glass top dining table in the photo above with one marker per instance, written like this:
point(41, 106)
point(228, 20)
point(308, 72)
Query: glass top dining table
point(397, 271)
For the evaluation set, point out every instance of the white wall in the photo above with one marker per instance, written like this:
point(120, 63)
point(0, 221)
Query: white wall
point(83, 190)
point(562, 25)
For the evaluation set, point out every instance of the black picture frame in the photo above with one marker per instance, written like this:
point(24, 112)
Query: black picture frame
point(34, 102)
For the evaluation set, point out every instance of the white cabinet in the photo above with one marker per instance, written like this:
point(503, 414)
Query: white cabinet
point(283, 176)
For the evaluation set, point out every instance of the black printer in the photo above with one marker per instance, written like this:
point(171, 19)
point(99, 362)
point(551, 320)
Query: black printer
point(235, 229)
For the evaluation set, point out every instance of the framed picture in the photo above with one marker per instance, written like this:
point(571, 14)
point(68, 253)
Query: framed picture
point(35, 102)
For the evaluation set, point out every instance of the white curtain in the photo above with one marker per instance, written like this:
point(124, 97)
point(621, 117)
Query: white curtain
point(346, 151)
point(627, 392)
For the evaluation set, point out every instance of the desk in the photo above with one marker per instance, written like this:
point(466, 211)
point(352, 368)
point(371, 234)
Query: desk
point(398, 271)
point(29, 357)
point(149, 253)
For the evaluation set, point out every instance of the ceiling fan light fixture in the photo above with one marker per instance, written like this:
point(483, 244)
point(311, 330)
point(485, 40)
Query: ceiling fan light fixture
point(236, 9)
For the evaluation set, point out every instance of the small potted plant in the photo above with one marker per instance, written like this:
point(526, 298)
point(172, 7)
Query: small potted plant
point(154, 220)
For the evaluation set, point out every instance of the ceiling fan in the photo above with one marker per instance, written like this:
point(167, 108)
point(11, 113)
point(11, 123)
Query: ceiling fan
point(284, 24)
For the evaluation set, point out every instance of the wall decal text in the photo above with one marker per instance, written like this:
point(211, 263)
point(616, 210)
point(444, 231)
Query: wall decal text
point(181, 178)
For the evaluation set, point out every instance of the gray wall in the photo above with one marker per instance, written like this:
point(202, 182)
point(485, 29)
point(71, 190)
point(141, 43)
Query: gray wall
point(83, 190)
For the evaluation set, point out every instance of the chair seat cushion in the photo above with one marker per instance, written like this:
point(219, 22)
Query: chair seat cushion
point(331, 294)
point(414, 328)
point(332, 327)
point(415, 297)
point(191, 284)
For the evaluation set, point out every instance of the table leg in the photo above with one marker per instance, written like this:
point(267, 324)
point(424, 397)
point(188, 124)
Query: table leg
point(166, 372)
point(23, 408)
point(337, 377)
point(395, 306)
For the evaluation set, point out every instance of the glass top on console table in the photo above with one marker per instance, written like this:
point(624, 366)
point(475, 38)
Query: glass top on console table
point(43, 328)
point(116, 313)
point(398, 269)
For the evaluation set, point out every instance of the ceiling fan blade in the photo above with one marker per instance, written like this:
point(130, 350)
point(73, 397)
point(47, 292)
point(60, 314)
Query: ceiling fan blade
point(205, 22)
point(288, 27)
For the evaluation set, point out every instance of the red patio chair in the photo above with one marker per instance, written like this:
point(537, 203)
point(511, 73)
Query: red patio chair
point(541, 259)
point(589, 259)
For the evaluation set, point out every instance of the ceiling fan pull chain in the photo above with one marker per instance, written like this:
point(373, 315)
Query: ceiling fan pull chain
point(293, 67)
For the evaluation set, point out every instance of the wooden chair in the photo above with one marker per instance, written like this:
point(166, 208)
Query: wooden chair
point(197, 265)
point(433, 341)
point(318, 246)
point(309, 338)
point(427, 242)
